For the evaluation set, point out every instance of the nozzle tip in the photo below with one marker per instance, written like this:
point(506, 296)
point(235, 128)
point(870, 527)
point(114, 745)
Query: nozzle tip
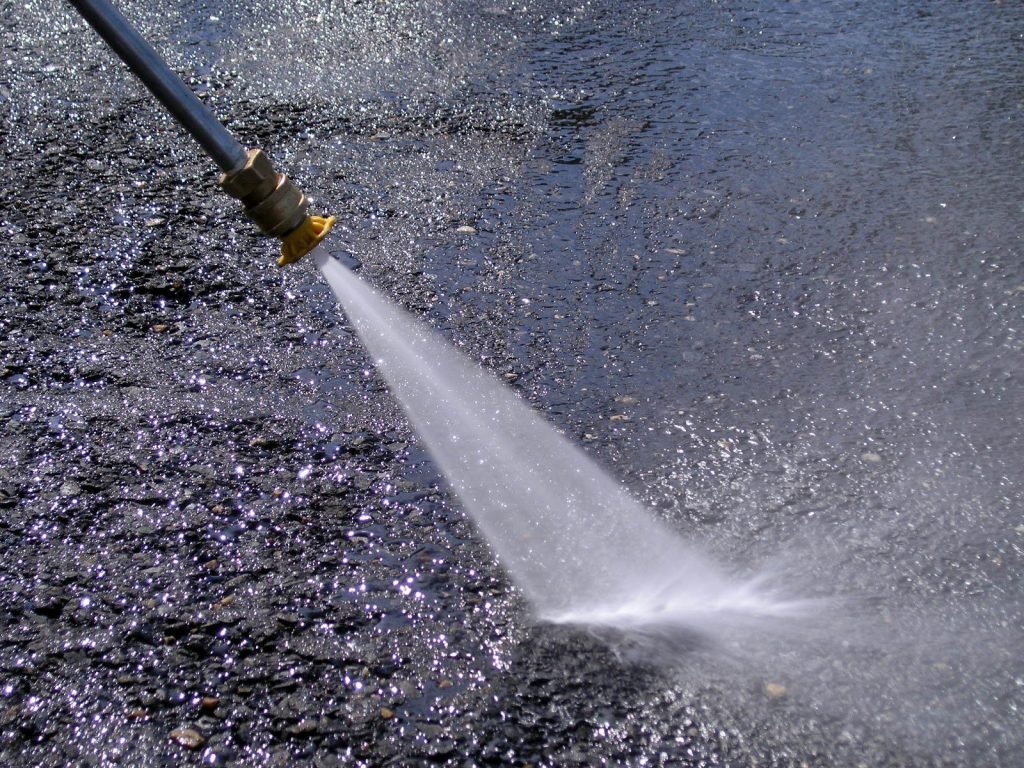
point(304, 238)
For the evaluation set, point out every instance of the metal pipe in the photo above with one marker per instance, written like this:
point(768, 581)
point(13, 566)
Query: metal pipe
point(165, 85)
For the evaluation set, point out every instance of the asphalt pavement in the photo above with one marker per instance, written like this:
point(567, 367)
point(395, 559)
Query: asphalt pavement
point(762, 260)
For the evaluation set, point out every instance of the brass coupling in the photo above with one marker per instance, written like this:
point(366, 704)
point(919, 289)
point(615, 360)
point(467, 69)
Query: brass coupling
point(271, 200)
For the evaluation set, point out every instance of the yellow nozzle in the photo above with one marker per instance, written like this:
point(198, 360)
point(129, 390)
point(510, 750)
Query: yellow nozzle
point(304, 238)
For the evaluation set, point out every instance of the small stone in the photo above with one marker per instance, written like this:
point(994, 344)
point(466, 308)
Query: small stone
point(774, 690)
point(386, 713)
point(156, 221)
point(160, 328)
point(188, 737)
point(208, 703)
point(305, 727)
point(619, 417)
point(70, 488)
point(874, 458)
point(465, 229)
point(445, 684)
point(136, 713)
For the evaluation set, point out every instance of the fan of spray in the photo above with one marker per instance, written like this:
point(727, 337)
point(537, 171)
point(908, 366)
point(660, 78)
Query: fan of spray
point(579, 546)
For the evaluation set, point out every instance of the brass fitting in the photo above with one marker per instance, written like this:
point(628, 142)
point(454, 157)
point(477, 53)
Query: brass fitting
point(271, 200)
point(276, 205)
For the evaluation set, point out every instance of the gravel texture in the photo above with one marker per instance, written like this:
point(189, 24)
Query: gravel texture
point(221, 544)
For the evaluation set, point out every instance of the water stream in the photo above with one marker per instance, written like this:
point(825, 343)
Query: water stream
point(579, 546)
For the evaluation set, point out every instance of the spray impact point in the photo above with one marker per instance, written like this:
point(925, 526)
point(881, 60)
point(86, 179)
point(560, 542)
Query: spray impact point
point(276, 205)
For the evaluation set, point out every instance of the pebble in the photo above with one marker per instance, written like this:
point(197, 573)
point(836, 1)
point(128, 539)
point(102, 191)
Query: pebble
point(466, 229)
point(304, 728)
point(209, 703)
point(619, 417)
point(874, 458)
point(159, 328)
point(387, 713)
point(188, 737)
point(774, 690)
point(155, 221)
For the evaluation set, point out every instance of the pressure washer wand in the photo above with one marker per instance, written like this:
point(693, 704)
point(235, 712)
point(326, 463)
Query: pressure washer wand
point(271, 200)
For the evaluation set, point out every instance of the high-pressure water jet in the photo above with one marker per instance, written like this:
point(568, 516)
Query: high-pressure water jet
point(583, 550)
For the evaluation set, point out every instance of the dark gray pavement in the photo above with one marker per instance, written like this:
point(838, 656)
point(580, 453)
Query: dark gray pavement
point(763, 259)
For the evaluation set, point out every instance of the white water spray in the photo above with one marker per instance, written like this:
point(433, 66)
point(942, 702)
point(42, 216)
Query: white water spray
point(579, 546)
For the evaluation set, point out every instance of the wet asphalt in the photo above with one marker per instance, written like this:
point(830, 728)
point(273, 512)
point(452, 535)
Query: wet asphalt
point(763, 260)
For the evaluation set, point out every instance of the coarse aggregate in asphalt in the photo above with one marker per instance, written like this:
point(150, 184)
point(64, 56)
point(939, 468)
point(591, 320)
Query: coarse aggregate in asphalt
point(762, 259)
